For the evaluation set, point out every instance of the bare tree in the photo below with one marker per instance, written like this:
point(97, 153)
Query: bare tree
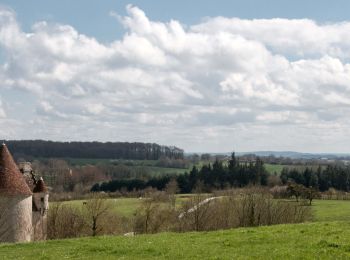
point(196, 213)
point(96, 209)
point(65, 221)
point(171, 189)
point(144, 215)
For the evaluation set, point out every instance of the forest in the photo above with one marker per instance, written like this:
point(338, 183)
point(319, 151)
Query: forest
point(112, 150)
point(332, 176)
point(221, 175)
point(209, 177)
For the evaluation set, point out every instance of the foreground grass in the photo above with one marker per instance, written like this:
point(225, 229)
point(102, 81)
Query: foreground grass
point(302, 241)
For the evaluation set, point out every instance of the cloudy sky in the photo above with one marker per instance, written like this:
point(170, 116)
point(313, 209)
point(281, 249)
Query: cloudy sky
point(204, 76)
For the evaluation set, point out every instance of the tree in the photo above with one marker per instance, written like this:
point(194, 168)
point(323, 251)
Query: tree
point(295, 190)
point(196, 213)
point(96, 209)
point(145, 216)
point(205, 157)
point(310, 193)
point(171, 189)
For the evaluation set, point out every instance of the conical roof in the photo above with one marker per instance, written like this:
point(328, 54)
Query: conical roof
point(12, 181)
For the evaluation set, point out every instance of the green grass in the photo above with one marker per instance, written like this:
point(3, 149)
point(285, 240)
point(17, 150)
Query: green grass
point(274, 168)
point(331, 210)
point(126, 206)
point(322, 210)
point(123, 206)
point(277, 168)
point(300, 241)
point(327, 237)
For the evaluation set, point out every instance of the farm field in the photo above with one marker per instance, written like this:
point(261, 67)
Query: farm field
point(149, 166)
point(124, 206)
point(322, 210)
point(331, 210)
point(323, 240)
point(277, 168)
point(274, 168)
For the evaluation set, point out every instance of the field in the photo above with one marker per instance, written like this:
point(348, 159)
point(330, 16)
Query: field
point(277, 168)
point(300, 241)
point(322, 210)
point(331, 210)
point(274, 168)
point(125, 206)
point(326, 237)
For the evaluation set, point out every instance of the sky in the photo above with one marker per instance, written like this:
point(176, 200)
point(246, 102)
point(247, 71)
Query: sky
point(206, 76)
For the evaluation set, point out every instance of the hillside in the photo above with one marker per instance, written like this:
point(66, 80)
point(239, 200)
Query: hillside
point(324, 240)
point(297, 155)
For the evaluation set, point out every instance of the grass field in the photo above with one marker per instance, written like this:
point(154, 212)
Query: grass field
point(126, 206)
point(123, 206)
point(277, 168)
point(331, 210)
point(300, 241)
point(327, 237)
point(322, 210)
point(274, 168)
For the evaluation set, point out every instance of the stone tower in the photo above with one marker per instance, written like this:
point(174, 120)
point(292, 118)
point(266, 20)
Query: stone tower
point(15, 201)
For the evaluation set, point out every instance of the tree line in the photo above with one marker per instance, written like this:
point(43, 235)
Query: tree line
point(209, 177)
point(332, 176)
point(92, 150)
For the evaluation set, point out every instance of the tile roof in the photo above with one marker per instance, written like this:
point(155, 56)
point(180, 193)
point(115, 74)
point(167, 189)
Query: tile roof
point(12, 181)
point(40, 186)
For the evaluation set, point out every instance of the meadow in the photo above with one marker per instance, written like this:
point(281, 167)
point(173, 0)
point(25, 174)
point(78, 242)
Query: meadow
point(326, 236)
point(322, 210)
point(321, 240)
point(125, 206)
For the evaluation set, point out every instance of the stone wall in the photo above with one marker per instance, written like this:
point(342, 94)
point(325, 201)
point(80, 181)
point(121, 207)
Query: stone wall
point(40, 208)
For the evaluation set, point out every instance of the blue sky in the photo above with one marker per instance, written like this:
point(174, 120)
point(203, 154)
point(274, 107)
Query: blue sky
point(91, 17)
point(202, 75)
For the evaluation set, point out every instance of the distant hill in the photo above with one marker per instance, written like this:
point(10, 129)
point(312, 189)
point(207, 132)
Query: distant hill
point(92, 150)
point(296, 155)
point(290, 154)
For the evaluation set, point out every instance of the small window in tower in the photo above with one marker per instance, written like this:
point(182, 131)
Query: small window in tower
point(42, 199)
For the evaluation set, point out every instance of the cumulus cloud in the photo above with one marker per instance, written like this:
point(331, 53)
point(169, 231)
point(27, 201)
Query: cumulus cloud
point(196, 86)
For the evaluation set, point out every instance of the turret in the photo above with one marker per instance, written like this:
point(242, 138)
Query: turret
point(15, 201)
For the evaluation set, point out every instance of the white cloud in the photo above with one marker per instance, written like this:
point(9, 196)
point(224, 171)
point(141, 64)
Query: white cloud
point(238, 81)
point(2, 110)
